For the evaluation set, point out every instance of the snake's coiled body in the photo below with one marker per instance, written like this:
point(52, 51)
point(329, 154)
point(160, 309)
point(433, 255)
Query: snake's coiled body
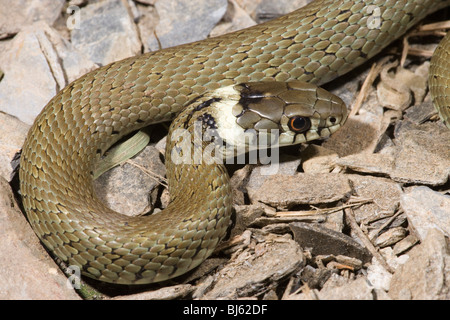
point(314, 44)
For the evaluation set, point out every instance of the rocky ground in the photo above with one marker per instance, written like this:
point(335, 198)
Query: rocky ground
point(363, 215)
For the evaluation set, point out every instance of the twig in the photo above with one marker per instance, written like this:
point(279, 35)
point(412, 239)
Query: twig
point(321, 211)
point(367, 243)
point(384, 225)
point(435, 26)
point(158, 178)
point(405, 51)
point(432, 29)
point(373, 73)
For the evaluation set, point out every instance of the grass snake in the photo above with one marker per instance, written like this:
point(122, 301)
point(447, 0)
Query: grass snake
point(260, 78)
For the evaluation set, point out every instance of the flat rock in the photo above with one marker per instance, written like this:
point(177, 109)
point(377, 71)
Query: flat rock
point(395, 90)
point(38, 63)
point(28, 83)
point(128, 188)
point(72, 61)
point(107, 32)
point(426, 209)
point(257, 269)
point(421, 112)
point(405, 244)
point(28, 272)
point(264, 10)
point(245, 215)
point(338, 288)
point(324, 241)
point(182, 22)
point(359, 289)
point(284, 192)
point(12, 136)
point(168, 293)
point(384, 193)
point(277, 164)
point(234, 19)
point(22, 13)
point(421, 155)
point(426, 274)
point(390, 237)
point(317, 159)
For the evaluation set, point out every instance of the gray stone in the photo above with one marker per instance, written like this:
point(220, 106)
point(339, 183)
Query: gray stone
point(18, 14)
point(426, 209)
point(12, 136)
point(384, 193)
point(185, 21)
point(37, 65)
point(73, 62)
point(168, 293)
point(283, 164)
point(234, 19)
point(378, 276)
point(284, 192)
point(263, 10)
point(421, 155)
point(390, 237)
point(317, 159)
point(245, 215)
point(29, 82)
point(257, 269)
point(129, 189)
point(405, 244)
point(107, 32)
point(426, 274)
point(27, 271)
point(359, 289)
point(324, 241)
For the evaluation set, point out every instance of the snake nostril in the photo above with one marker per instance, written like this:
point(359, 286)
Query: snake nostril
point(333, 119)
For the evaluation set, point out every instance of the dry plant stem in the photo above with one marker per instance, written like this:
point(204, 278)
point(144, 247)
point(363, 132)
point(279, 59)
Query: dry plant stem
point(373, 73)
point(433, 29)
point(387, 223)
point(158, 178)
point(405, 51)
point(435, 26)
point(321, 211)
point(367, 243)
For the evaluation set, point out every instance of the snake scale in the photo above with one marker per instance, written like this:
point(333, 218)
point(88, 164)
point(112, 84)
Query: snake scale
point(314, 44)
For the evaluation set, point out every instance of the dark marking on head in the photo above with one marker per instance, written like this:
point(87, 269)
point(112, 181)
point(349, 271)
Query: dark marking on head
point(199, 107)
point(206, 103)
point(208, 121)
point(249, 96)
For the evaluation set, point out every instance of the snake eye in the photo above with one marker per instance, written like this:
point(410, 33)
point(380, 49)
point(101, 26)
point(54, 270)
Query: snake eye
point(299, 124)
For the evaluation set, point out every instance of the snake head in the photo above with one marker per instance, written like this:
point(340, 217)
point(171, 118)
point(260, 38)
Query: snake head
point(286, 113)
point(258, 115)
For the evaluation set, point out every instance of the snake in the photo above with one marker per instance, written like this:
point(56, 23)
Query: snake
point(262, 79)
